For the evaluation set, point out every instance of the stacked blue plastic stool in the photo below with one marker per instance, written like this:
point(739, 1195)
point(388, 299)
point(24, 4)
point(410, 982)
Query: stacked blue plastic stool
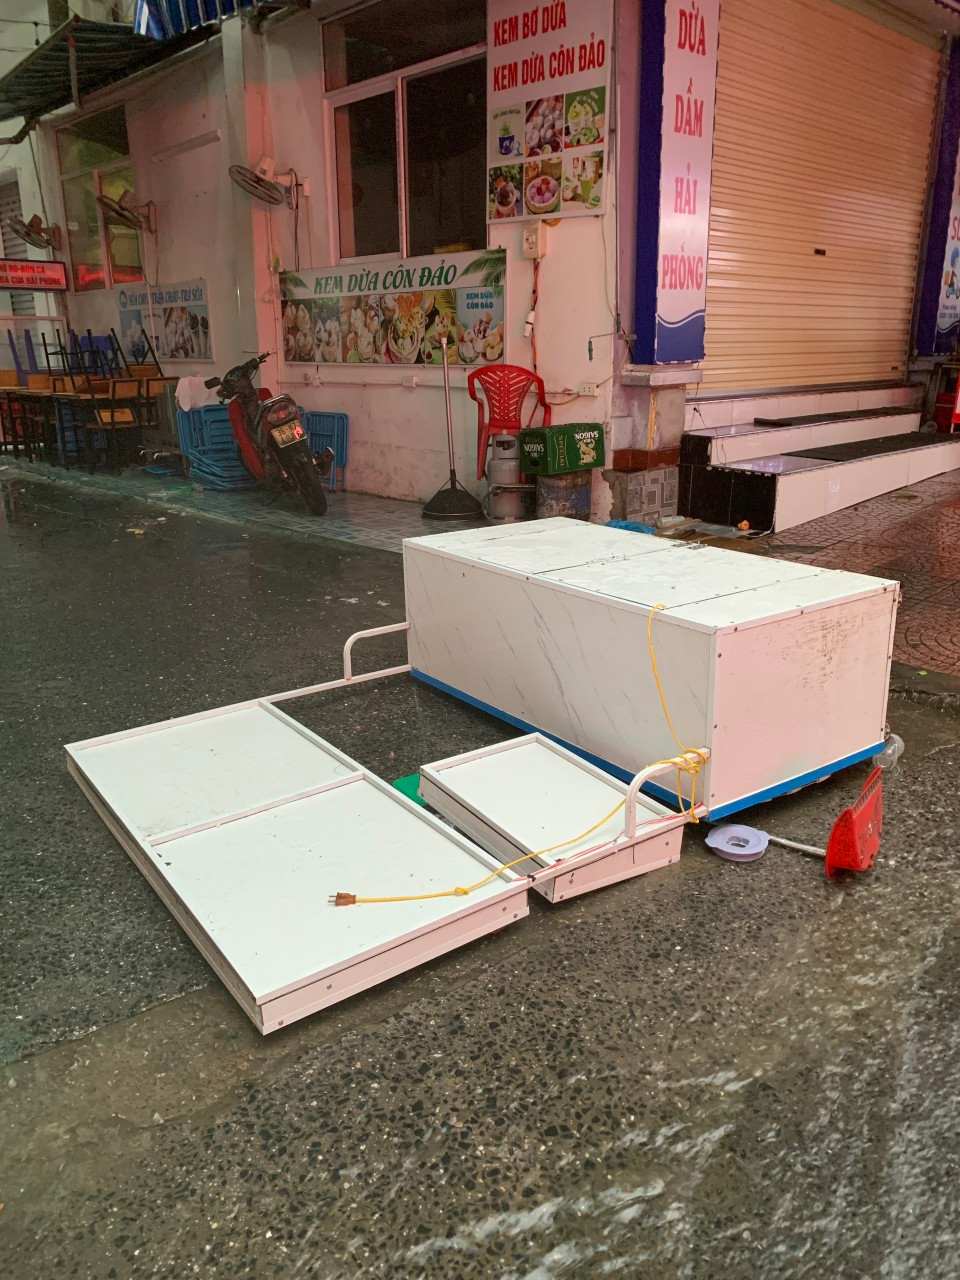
point(208, 444)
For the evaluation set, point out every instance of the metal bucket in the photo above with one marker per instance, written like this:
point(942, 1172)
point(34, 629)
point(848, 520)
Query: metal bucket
point(567, 495)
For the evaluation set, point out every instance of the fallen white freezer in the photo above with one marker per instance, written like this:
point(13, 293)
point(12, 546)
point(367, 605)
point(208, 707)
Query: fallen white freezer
point(780, 669)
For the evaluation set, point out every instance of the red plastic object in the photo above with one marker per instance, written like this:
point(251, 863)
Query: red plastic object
point(855, 839)
point(505, 387)
point(249, 453)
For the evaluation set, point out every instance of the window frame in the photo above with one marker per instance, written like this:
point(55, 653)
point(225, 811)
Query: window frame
point(395, 82)
point(95, 175)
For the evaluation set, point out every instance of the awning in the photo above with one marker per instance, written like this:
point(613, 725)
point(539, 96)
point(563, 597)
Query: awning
point(78, 58)
point(164, 19)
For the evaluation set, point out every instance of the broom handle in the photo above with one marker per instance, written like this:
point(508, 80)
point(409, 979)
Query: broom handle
point(446, 396)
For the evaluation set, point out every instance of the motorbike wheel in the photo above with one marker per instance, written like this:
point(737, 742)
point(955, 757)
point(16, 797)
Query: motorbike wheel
point(307, 479)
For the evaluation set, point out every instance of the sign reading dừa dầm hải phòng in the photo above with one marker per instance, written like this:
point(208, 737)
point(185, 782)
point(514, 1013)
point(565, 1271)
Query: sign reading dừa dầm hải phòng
point(548, 107)
point(384, 312)
point(679, 50)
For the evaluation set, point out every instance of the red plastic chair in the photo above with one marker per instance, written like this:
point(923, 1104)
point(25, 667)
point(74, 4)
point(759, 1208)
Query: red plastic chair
point(505, 387)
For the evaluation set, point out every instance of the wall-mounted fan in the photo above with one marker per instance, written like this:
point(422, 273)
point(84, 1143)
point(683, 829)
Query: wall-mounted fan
point(263, 182)
point(35, 233)
point(126, 210)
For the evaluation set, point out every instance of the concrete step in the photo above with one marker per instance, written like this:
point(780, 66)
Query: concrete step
point(721, 411)
point(766, 436)
point(783, 490)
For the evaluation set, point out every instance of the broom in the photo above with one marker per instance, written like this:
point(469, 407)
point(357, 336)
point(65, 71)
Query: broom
point(452, 502)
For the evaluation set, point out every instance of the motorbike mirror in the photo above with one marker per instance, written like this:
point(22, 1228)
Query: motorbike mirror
point(210, 383)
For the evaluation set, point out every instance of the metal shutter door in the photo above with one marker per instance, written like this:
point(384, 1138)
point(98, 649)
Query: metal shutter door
point(21, 302)
point(822, 141)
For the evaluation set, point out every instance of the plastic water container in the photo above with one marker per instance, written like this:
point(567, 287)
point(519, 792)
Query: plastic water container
point(567, 495)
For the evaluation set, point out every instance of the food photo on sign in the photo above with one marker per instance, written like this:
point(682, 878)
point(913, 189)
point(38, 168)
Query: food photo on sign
point(585, 114)
point(504, 191)
point(541, 186)
point(543, 132)
point(583, 181)
point(508, 126)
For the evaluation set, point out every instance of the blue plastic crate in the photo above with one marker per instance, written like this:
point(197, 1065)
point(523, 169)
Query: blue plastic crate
point(329, 431)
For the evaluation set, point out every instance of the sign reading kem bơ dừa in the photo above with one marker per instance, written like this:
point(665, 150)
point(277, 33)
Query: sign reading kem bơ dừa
point(548, 107)
point(397, 312)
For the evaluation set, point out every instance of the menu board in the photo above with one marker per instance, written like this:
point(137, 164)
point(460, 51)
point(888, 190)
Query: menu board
point(38, 275)
point(397, 312)
point(548, 107)
point(689, 93)
point(948, 310)
point(180, 313)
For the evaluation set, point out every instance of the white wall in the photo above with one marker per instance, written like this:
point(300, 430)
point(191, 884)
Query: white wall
point(193, 198)
point(397, 432)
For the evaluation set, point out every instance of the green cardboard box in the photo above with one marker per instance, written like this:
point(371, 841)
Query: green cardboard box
point(554, 451)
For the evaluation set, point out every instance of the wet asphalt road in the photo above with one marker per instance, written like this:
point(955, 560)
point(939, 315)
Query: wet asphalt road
point(714, 1071)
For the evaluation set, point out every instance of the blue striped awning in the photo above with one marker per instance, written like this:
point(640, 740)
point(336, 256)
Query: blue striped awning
point(164, 19)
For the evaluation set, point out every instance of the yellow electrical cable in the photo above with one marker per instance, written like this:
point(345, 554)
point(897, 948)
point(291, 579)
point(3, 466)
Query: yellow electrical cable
point(462, 890)
point(690, 761)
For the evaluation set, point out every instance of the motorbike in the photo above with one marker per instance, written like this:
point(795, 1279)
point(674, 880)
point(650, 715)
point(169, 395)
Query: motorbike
point(270, 437)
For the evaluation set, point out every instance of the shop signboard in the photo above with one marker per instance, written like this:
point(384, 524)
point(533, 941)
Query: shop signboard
point(178, 321)
point(39, 276)
point(396, 312)
point(948, 310)
point(548, 107)
point(689, 92)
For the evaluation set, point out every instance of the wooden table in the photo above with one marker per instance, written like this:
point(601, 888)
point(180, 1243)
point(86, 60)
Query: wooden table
point(100, 412)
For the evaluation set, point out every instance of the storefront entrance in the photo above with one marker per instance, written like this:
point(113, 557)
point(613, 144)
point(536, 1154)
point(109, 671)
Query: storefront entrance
point(824, 122)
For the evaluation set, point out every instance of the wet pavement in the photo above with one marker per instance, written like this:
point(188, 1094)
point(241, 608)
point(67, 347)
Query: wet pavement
point(711, 1071)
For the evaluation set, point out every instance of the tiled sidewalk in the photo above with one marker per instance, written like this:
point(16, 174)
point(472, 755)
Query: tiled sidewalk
point(380, 523)
point(912, 535)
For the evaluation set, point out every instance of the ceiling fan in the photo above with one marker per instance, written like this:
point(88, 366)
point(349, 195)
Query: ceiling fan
point(263, 182)
point(126, 210)
point(34, 233)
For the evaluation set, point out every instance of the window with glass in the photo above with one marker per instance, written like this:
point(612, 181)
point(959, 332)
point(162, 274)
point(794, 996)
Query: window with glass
point(408, 99)
point(94, 160)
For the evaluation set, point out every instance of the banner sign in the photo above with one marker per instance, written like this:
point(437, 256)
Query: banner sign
point(548, 107)
point(38, 276)
point(397, 312)
point(948, 310)
point(689, 92)
point(181, 316)
point(679, 53)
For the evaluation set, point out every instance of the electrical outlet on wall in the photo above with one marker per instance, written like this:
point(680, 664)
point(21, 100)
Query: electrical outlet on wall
point(588, 389)
point(534, 239)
